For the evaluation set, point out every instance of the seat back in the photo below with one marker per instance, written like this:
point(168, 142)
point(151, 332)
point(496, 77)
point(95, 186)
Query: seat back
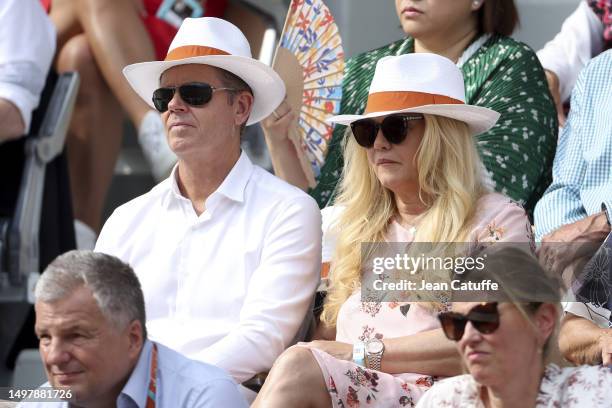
point(19, 232)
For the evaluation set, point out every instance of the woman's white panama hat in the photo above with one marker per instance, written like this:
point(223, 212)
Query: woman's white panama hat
point(421, 83)
point(219, 43)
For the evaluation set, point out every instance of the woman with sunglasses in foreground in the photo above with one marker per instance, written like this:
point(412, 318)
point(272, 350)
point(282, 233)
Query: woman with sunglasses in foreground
point(505, 347)
point(412, 173)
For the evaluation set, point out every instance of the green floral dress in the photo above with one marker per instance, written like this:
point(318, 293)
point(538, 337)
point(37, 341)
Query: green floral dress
point(503, 75)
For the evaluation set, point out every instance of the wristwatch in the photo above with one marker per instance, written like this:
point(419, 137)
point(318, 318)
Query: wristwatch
point(374, 349)
point(359, 354)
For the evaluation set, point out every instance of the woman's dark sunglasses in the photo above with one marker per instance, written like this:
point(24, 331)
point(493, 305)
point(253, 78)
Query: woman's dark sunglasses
point(194, 94)
point(394, 127)
point(484, 318)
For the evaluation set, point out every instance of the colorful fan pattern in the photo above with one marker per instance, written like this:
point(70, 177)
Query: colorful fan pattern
point(312, 36)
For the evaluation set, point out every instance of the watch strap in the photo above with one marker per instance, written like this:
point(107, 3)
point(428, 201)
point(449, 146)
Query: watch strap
point(359, 353)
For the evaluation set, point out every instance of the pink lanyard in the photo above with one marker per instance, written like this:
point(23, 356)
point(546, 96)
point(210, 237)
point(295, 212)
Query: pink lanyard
point(151, 392)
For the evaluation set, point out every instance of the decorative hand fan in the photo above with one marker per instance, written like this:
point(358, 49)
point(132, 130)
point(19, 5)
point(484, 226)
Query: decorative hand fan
point(310, 59)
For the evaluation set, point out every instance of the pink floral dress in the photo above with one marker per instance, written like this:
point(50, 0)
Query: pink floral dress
point(350, 385)
point(571, 387)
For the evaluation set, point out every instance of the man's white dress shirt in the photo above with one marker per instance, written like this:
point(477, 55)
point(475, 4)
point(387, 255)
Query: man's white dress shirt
point(27, 46)
point(580, 39)
point(232, 286)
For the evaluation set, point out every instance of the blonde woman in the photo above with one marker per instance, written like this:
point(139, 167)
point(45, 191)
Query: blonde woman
point(412, 173)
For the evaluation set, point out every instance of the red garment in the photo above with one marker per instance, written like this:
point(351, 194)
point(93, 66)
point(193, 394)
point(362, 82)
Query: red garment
point(603, 10)
point(46, 5)
point(162, 33)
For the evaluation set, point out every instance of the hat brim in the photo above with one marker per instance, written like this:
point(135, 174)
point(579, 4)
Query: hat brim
point(268, 88)
point(478, 118)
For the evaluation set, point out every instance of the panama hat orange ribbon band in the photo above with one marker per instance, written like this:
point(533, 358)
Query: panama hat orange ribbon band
point(390, 101)
point(188, 51)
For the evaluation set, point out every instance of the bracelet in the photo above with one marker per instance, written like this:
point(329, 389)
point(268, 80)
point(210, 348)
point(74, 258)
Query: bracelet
point(359, 354)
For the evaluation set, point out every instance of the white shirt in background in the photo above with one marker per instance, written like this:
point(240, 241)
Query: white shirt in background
point(27, 46)
point(580, 39)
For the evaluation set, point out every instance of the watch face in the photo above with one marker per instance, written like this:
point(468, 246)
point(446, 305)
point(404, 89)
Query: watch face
point(374, 346)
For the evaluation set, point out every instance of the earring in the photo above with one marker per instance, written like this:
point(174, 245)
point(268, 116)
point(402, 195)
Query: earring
point(476, 3)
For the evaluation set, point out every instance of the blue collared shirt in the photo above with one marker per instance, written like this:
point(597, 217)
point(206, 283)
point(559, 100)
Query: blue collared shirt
point(582, 170)
point(181, 382)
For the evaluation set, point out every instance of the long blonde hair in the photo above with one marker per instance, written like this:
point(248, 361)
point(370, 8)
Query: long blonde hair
point(450, 186)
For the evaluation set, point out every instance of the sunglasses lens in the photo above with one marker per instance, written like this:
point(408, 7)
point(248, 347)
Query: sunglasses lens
point(196, 94)
point(161, 98)
point(453, 325)
point(365, 131)
point(485, 318)
point(395, 128)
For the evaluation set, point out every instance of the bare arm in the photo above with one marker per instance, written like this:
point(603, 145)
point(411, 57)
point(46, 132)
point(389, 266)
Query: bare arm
point(582, 341)
point(428, 352)
point(282, 151)
point(12, 122)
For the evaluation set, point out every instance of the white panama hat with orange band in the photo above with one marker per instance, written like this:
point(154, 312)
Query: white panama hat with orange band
point(421, 83)
point(218, 43)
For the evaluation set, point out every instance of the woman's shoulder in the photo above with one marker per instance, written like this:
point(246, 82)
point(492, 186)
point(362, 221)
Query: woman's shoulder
point(493, 201)
point(503, 46)
point(459, 391)
point(577, 386)
point(499, 218)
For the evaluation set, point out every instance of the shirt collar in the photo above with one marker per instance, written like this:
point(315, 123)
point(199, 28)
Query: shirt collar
point(137, 385)
point(232, 187)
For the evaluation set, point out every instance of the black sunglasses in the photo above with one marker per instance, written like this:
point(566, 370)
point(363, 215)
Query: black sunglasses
point(194, 94)
point(484, 318)
point(394, 128)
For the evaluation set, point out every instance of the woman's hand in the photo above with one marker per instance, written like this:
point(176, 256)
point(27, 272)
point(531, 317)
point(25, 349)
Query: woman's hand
point(276, 126)
point(342, 351)
point(283, 153)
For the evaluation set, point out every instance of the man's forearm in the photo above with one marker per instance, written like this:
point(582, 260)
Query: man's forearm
point(12, 123)
point(579, 340)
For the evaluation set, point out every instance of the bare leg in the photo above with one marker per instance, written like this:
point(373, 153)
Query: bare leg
point(64, 17)
point(95, 133)
point(295, 381)
point(117, 38)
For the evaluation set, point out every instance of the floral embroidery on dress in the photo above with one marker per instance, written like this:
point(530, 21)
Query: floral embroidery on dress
point(495, 231)
point(425, 381)
point(371, 308)
point(332, 386)
point(368, 332)
point(406, 401)
point(362, 379)
point(352, 399)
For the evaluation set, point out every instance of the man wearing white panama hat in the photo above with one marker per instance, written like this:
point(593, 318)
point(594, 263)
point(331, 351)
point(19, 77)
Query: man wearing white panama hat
point(228, 255)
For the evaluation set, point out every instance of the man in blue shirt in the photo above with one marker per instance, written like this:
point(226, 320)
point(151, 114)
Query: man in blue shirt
point(575, 210)
point(573, 207)
point(90, 320)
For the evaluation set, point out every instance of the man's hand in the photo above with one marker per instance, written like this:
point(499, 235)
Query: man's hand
point(342, 351)
point(605, 342)
point(553, 86)
point(578, 238)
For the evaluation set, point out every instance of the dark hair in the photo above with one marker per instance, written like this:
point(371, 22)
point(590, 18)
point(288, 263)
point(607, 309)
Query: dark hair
point(498, 17)
point(230, 80)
